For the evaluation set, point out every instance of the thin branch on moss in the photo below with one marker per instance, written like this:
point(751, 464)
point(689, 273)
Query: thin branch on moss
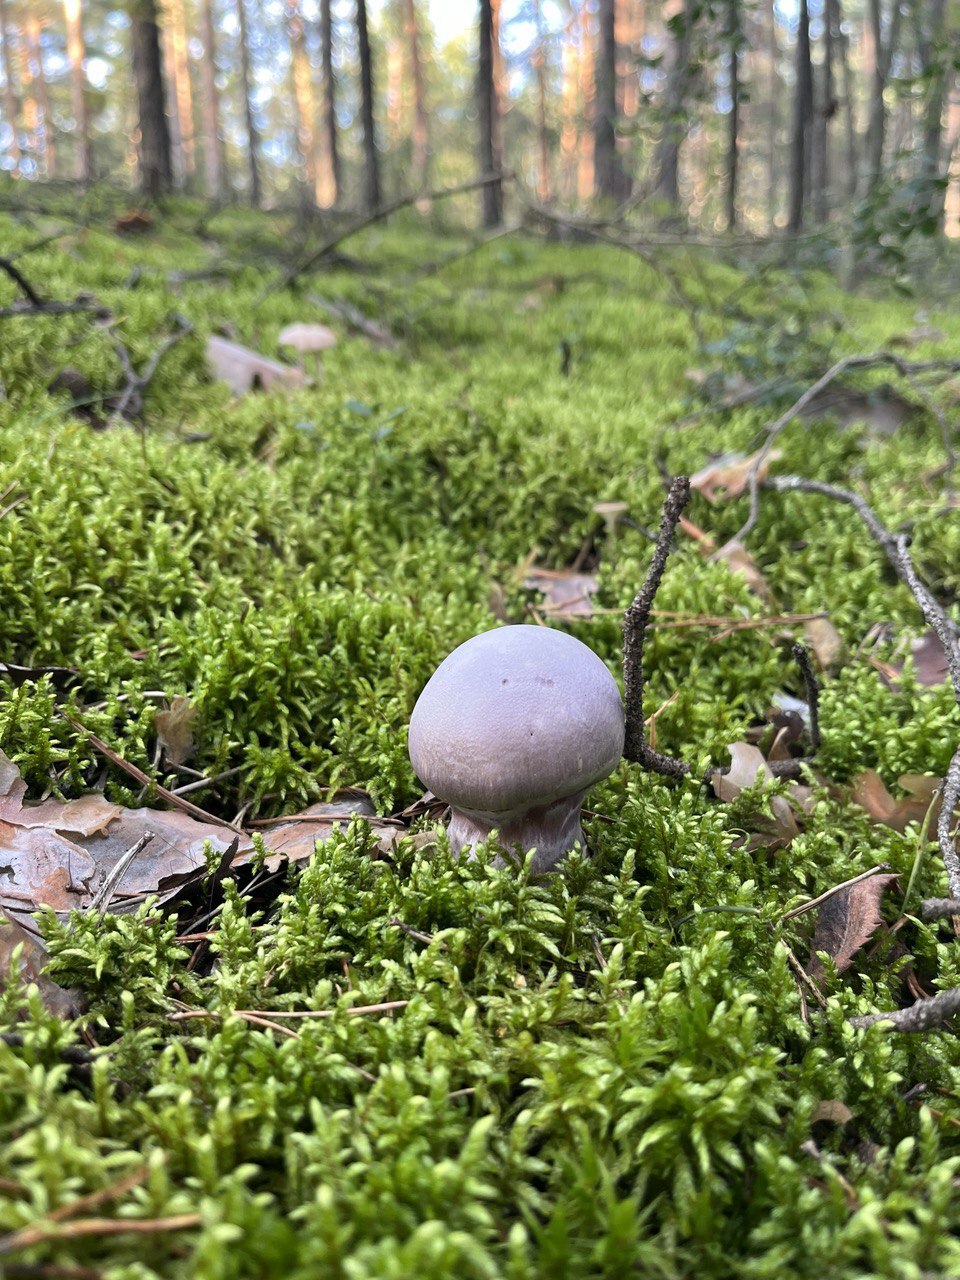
point(40, 1232)
point(908, 369)
point(812, 686)
point(130, 400)
point(636, 620)
point(804, 907)
point(939, 908)
point(884, 538)
point(101, 899)
point(922, 1016)
point(379, 215)
point(23, 284)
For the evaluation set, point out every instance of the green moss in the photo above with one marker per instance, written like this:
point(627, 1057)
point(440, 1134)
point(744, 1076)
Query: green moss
point(597, 1074)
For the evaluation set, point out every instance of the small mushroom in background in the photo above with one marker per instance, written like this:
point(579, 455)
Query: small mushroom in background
point(308, 339)
point(511, 730)
point(611, 513)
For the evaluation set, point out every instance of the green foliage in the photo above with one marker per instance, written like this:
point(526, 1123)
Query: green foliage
point(604, 1072)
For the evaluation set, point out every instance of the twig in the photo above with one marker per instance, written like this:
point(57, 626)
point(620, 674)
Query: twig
point(938, 908)
point(906, 368)
point(879, 869)
point(378, 215)
point(207, 782)
point(101, 899)
point(425, 938)
point(144, 779)
point(921, 1016)
point(130, 400)
point(884, 538)
point(41, 1232)
point(636, 620)
point(386, 1006)
point(812, 686)
point(21, 281)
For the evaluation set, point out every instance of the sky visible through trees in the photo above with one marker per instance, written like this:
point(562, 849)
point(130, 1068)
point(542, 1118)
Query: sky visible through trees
point(716, 114)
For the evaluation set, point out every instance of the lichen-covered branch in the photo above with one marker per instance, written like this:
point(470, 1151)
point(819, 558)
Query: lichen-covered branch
point(636, 620)
point(921, 1016)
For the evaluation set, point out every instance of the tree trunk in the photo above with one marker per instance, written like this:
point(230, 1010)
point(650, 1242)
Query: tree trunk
point(951, 224)
point(608, 176)
point(881, 61)
point(154, 160)
point(213, 160)
point(371, 165)
point(83, 162)
point(182, 90)
point(826, 109)
point(802, 115)
point(935, 75)
point(543, 140)
point(568, 111)
point(674, 124)
point(849, 123)
point(773, 113)
point(492, 193)
point(329, 175)
point(11, 106)
point(733, 118)
point(585, 50)
point(246, 87)
point(420, 136)
point(303, 105)
point(43, 97)
point(630, 49)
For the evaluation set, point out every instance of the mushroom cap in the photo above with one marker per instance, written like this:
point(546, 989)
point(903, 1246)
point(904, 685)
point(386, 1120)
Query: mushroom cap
point(307, 337)
point(516, 717)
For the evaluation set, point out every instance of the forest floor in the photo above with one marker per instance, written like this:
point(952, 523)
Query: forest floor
point(637, 1065)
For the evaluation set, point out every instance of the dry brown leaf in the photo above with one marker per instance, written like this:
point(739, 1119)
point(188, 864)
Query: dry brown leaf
point(748, 767)
point(30, 959)
point(882, 409)
point(175, 729)
point(729, 475)
point(870, 792)
point(245, 370)
point(831, 1111)
point(739, 560)
point(566, 592)
point(132, 221)
point(825, 641)
point(846, 921)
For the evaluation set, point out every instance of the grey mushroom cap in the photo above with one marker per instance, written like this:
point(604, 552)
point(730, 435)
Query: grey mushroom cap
point(516, 717)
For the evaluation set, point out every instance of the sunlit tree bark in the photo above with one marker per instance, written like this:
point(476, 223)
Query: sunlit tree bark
point(303, 103)
point(11, 105)
point(213, 163)
point(47, 133)
point(83, 149)
point(153, 152)
point(328, 181)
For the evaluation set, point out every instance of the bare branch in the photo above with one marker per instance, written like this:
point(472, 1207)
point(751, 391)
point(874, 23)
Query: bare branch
point(921, 1016)
point(635, 623)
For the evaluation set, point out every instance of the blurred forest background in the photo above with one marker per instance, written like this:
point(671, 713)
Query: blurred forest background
point(761, 115)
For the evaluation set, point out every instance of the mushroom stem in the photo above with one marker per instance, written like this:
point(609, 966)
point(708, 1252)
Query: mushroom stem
point(552, 829)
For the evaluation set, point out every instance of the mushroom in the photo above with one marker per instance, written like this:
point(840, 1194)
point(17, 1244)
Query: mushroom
point(611, 513)
point(312, 338)
point(511, 730)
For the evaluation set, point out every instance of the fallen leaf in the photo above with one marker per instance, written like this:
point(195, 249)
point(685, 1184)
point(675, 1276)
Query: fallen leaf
point(747, 768)
point(729, 475)
point(825, 641)
point(929, 660)
point(846, 921)
point(567, 593)
point(739, 560)
point(133, 221)
point(30, 959)
point(245, 370)
point(870, 792)
point(175, 729)
point(831, 1111)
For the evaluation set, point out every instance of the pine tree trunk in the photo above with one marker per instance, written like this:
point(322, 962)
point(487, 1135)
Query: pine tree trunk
point(43, 97)
point(849, 94)
point(11, 107)
point(674, 124)
point(585, 50)
point(773, 113)
point(246, 87)
point(420, 137)
point(303, 104)
point(543, 140)
point(881, 60)
point(371, 164)
point(935, 75)
point(825, 111)
point(329, 173)
point(183, 90)
point(733, 118)
point(83, 151)
point(608, 177)
point(568, 108)
point(800, 130)
point(154, 159)
point(492, 193)
point(213, 165)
